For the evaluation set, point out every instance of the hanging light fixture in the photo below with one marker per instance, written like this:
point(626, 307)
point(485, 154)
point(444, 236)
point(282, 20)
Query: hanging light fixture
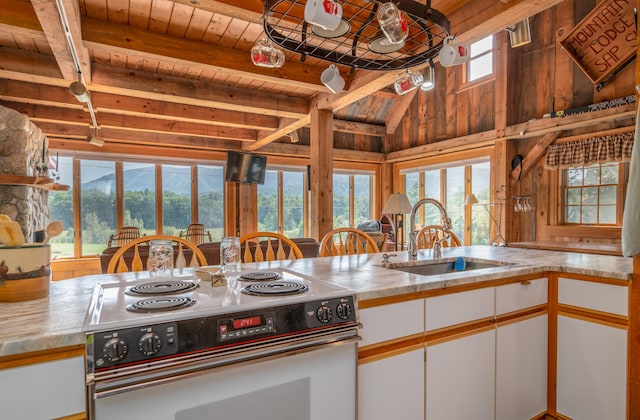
point(520, 33)
point(428, 77)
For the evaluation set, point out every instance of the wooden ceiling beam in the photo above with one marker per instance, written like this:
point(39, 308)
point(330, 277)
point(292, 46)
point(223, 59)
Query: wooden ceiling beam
point(286, 129)
point(11, 90)
point(123, 39)
point(62, 116)
point(247, 10)
point(398, 110)
point(49, 17)
point(119, 135)
point(358, 128)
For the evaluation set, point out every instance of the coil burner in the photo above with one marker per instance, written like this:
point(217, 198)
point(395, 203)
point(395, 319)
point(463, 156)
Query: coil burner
point(274, 288)
point(168, 287)
point(260, 276)
point(161, 304)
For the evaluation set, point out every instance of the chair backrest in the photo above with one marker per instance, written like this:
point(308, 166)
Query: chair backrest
point(347, 241)
point(125, 234)
point(379, 238)
point(196, 234)
point(429, 235)
point(268, 246)
point(117, 264)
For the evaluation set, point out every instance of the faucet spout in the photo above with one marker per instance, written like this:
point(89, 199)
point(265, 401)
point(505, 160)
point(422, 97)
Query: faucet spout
point(446, 227)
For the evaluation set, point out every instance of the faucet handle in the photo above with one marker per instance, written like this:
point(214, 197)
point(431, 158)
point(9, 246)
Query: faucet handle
point(386, 257)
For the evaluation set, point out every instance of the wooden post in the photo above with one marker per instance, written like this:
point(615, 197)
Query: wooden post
point(321, 139)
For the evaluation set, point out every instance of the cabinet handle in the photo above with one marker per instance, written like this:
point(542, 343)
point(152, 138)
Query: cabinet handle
point(525, 282)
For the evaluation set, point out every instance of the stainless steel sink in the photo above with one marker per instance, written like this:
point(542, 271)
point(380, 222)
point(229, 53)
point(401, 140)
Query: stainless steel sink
point(434, 268)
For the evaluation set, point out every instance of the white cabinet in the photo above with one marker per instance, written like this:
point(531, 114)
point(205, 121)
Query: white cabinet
point(388, 322)
point(592, 370)
point(457, 308)
point(526, 294)
point(461, 378)
point(521, 371)
point(601, 297)
point(392, 388)
point(392, 385)
point(43, 390)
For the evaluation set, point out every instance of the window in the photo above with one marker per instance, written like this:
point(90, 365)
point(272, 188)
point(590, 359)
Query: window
point(480, 62)
point(140, 196)
point(591, 194)
point(351, 199)
point(99, 182)
point(449, 186)
point(286, 190)
point(97, 204)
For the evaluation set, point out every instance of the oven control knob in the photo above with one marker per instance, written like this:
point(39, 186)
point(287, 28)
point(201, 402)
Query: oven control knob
point(343, 310)
point(149, 344)
point(324, 314)
point(115, 349)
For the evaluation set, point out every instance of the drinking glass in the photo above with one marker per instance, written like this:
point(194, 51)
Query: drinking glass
point(392, 23)
point(160, 258)
point(230, 254)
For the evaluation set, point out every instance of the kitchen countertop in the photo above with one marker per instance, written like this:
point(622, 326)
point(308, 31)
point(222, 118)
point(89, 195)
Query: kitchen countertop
point(587, 248)
point(56, 321)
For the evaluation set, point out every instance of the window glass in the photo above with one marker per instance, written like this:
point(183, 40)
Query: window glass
point(294, 190)
point(268, 203)
point(412, 186)
point(591, 194)
point(140, 196)
point(61, 208)
point(430, 214)
point(341, 193)
point(480, 63)
point(454, 202)
point(480, 219)
point(211, 200)
point(176, 199)
point(97, 204)
point(362, 198)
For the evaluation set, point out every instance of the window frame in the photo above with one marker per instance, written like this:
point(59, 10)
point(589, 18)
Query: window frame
point(465, 83)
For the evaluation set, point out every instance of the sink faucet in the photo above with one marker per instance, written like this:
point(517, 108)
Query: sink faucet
point(446, 227)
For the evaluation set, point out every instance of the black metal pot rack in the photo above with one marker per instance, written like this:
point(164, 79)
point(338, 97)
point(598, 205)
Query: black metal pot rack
point(284, 24)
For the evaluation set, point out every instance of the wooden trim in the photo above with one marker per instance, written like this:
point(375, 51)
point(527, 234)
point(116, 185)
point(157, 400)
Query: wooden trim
point(611, 132)
point(469, 330)
point(49, 355)
point(159, 212)
point(552, 341)
point(378, 351)
point(521, 315)
point(633, 343)
point(596, 317)
point(595, 279)
point(77, 209)
point(119, 174)
point(79, 416)
point(194, 194)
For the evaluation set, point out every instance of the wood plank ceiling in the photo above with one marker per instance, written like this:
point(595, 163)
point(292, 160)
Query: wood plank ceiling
point(178, 73)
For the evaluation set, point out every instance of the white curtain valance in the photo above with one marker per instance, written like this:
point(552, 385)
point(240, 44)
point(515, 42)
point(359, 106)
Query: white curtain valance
point(601, 149)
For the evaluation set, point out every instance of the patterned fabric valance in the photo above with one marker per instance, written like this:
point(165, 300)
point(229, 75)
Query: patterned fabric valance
point(603, 149)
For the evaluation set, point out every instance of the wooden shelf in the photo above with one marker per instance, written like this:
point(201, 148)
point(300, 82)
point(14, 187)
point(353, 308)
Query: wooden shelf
point(41, 182)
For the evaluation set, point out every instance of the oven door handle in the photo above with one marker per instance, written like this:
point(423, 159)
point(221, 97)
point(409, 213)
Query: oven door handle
point(199, 365)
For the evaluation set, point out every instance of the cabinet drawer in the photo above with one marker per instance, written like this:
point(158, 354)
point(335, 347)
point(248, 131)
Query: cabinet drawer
point(457, 308)
point(516, 296)
point(591, 295)
point(382, 323)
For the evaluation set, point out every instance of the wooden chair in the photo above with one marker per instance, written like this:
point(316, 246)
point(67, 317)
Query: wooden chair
point(347, 241)
point(429, 235)
point(117, 264)
point(196, 234)
point(379, 238)
point(125, 234)
point(268, 246)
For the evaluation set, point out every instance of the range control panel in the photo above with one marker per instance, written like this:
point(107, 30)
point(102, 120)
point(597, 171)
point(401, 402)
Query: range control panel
point(142, 344)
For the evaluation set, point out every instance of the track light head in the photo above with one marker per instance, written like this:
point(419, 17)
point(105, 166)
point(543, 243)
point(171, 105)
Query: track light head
point(95, 140)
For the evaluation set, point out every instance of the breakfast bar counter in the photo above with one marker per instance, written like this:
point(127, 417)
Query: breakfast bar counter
point(56, 321)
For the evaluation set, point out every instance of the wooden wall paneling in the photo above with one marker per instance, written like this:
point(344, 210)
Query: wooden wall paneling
point(450, 102)
point(248, 208)
point(461, 112)
point(503, 78)
point(546, 196)
point(583, 89)
point(564, 66)
point(439, 104)
point(502, 155)
point(231, 208)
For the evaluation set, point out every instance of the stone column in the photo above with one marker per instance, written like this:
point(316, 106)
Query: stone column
point(23, 152)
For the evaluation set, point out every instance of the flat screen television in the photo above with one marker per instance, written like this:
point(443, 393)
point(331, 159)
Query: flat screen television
point(245, 167)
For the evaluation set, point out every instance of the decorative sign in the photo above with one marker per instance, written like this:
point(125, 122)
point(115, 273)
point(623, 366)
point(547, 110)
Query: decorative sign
point(605, 40)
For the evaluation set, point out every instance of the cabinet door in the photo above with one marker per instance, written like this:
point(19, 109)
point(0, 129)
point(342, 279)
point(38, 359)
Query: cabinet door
point(388, 322)
point(457, 308)
point(461, 378)
point(593, 295)
point(515, 296)
point(521, 371)
point(44, 390)
point(592, 370)
point(392, 388)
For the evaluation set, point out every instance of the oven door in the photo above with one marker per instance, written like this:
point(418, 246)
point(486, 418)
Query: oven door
point(309, 384)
